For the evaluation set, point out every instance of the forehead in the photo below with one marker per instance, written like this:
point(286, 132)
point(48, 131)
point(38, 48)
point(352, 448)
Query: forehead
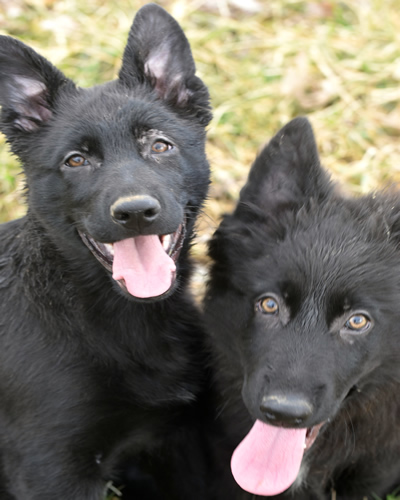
point(112, 108)
point(324, 253)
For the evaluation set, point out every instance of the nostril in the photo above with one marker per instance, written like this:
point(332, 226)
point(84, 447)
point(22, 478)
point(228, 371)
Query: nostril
point(150, 213)
point(289, 410)
point(121, 216)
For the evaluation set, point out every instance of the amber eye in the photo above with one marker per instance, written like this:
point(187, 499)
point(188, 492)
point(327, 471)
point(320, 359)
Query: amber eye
point(76, 161)
point(268, 305)
point(160, 147)
point(358, 323)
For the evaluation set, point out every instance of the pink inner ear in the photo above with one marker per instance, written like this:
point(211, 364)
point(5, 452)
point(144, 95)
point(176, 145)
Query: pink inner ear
point(29, 86)
point(156, 65)
point(30, 102)
point(166, 84)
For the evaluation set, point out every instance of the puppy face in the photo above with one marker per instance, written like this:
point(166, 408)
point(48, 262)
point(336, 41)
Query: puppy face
point(301, 305)
point(119, 169)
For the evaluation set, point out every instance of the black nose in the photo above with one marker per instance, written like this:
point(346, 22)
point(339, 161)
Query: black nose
point(135, 212)
point(289, 410)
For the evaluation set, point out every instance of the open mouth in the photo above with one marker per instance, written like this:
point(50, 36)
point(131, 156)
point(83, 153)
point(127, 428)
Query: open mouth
point(311, 435)
point(144, 266)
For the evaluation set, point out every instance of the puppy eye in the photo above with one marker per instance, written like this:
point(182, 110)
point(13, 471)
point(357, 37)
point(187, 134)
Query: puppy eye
point(161, 147)
point(268, 305)
point(358, 323)
point(76, 161)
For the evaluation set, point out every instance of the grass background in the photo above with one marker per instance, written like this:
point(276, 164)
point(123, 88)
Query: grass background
point(265, 62)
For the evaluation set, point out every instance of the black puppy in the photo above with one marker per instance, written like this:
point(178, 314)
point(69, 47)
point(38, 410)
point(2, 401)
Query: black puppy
point(100, 348)
point(303, 313)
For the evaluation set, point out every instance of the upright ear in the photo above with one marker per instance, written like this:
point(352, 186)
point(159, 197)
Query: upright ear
point(28, 87)
point(287, 171)
point(158, 52)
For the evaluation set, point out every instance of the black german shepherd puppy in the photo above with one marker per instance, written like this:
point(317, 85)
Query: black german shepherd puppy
point(303, 313)
point(99, 339)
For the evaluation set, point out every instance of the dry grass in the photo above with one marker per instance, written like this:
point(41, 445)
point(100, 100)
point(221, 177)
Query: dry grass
point(336, 62)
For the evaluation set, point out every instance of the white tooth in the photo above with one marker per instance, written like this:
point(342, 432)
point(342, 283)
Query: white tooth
point(166, 242)
point(110, 248)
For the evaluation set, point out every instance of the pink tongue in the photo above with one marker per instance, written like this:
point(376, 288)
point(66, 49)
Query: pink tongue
point(268, 459)
point(144, 266)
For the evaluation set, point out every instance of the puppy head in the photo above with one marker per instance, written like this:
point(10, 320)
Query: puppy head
point(301, 305)
point(118, 161)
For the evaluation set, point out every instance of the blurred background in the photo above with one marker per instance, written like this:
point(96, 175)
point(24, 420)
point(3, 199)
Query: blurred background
point(265, 62)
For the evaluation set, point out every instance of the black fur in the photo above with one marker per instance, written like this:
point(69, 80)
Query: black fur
point(323, 258)
point(90, 376)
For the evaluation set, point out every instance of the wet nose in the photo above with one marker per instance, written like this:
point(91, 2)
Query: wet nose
point(135, 212)
point(289, 410)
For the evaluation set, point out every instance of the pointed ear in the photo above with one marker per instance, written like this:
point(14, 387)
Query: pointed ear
point(287, 171)
point(28, 86)
point(158, 53)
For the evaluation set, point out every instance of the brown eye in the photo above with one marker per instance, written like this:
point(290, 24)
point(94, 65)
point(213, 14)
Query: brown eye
point(358, 323)
point(268, 305)
point(76, 161)
point(160, 147)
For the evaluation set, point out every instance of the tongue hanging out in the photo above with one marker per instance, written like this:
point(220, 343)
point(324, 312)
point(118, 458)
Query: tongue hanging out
point(268, 459)
point(143, 265)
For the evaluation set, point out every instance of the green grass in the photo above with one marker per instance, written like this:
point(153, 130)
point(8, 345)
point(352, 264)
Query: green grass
point(336, 62)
